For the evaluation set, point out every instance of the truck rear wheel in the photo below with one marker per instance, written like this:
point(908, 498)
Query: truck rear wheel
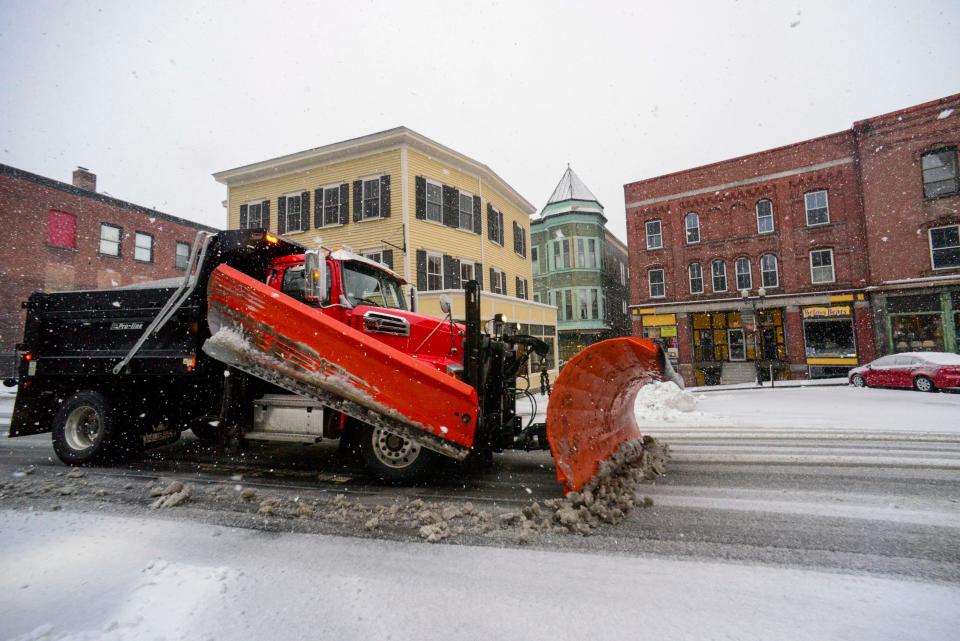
point(392, 458)
point(85, 431)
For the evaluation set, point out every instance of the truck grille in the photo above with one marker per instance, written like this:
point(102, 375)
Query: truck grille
point(386, 324)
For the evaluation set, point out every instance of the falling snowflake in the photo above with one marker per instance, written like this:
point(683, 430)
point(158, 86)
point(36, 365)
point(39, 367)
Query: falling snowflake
point(945, 114)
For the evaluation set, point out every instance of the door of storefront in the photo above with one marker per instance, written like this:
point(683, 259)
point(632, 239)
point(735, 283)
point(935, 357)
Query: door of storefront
point(737, 345)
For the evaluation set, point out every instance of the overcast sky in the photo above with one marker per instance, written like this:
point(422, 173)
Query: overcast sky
point(155, 96)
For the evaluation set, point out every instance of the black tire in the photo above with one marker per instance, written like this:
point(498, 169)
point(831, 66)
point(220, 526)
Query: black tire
point(86, 431)
point(393, 459)
point(858, 381)
point(924, 384)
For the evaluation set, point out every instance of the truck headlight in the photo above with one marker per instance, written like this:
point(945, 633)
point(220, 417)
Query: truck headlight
point(455, 370)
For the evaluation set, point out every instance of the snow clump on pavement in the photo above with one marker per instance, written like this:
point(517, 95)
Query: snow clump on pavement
point(664, 401)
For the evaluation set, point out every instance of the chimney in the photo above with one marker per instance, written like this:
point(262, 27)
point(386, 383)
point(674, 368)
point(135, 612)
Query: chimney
point(84, 179)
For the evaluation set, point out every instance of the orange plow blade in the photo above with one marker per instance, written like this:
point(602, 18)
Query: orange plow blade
point(590, 416)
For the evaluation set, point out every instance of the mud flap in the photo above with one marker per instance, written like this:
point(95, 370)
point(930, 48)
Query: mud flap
point(274, 337)
point(591, 424)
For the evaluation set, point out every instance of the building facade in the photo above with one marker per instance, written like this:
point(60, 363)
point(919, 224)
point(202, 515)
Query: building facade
point(579, 267)
point(69, 236)
point(435, 216)
point(852, 238)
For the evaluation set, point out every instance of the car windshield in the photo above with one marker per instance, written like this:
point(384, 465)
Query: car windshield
point(366, 285)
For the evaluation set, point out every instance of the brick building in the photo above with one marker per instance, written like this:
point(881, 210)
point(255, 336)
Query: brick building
point(67, 236)
point(852, 236)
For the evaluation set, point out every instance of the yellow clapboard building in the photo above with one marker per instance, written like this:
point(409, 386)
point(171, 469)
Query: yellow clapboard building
point(435, 216)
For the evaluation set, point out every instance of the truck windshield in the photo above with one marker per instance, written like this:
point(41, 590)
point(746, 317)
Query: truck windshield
point(363, 284)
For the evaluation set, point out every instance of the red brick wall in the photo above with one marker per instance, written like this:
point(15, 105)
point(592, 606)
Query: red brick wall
point(728, 223)
point(28, 264)
point(897, 214)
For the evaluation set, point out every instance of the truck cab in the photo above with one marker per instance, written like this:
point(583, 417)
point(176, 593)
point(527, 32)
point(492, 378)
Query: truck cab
point(368, 296)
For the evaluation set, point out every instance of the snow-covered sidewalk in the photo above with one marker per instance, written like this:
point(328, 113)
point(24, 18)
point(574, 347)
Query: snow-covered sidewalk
point(83, 577)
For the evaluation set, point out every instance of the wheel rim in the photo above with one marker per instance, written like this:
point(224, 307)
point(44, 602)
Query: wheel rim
point(858, 381)
point(83, 428)
point(924, 384)
point(392, 450)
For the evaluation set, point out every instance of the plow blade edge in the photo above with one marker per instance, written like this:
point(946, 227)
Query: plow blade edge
point(590, 416)
point(272, 336)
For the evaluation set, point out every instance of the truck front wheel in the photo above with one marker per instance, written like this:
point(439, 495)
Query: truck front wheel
point(85, 431)
point(392, 458)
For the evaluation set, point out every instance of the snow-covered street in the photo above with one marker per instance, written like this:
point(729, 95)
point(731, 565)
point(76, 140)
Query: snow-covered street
point(779, 517)
point(81, 576)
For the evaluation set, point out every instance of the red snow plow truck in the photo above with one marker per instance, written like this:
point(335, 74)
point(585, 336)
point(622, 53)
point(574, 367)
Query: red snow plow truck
point(265, 340)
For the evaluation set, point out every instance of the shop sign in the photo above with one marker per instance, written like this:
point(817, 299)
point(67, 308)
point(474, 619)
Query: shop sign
point(666, 332)
point(826, 312)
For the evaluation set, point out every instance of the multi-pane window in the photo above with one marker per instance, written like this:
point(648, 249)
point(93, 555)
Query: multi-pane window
point(945, 247)
point(143, 247)
point(692, 223)
point(719, 269)
point(587, 253)
point(495, 225)
point(376, 255)
point(371, 198)
point(255, 215)
point(561, 253)
point(61, 229)
point(818, 210)
point(467, 271)
point(744, 276)
point(519, 240)
point(293, 211)
point(434, 271)
point(535, 257)
point(434, 202)
point(696, 278)
point(588, 303)
point(498, 284)
point(581, 303)
point(654, 234)
point(768, 271)
point(522, 287)
point(182, 256)
point(765, 216)
point(623, 273)
point(658, 288)
point(466, 211)
point(940, 172)
point(821, 266)
point(109, 240)
point(331, 206)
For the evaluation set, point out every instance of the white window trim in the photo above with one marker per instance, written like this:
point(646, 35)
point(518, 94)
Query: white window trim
point(930, 244)
point(773, 221)
point(749, 272)
point(686, 229)
point(248, 205)
point(500, 277)
point(136, 246)
point(776, 271)
point(460, 211)
point(663, 282)
point(833, 267)
point(426, 202)
point(806, 210)
point(522, 237)
point(363, 183)
point(438, 256)
point(647, 233)
point(176, 254)
point(473, 265)
point(118, 241)
point(559, 242)
point(286, 210)
point(713, 282)
point(499, 216)
point(690, 278)
point(523, 281)
point(323, 204)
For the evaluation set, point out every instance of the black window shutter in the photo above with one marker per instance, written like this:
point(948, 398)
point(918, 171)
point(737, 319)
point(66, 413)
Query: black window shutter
point(516, 287)
point(451, 272)
point(305, 211)
point(265, 214)
point(421, 269)
point(243, 216)
point(318, 208)
point(357, 200)
point(489, 221)
point(344, 203)
point(523, 241)
point(516, 247)
point(281, 215)
point(385, 196)
point(421, 197)
point(477, 221)
point(451, 207)
point(478, 274)
point(387, 256)
point(493, 280)
point(500, 227)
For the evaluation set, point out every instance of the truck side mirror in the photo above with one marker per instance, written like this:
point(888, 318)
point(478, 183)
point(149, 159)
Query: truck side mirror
point(445, 303)
point(314, 276)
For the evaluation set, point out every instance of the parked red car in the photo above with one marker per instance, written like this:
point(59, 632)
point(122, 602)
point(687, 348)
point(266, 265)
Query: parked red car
point(924, 371)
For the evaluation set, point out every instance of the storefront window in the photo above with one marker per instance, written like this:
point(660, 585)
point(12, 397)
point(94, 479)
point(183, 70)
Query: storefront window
point(917, 332)
point(829, 338)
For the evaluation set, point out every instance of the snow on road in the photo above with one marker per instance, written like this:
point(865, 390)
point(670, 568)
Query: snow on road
point(74, 577)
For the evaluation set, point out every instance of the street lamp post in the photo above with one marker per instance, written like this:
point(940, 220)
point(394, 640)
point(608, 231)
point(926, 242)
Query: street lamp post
point(753, 300)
